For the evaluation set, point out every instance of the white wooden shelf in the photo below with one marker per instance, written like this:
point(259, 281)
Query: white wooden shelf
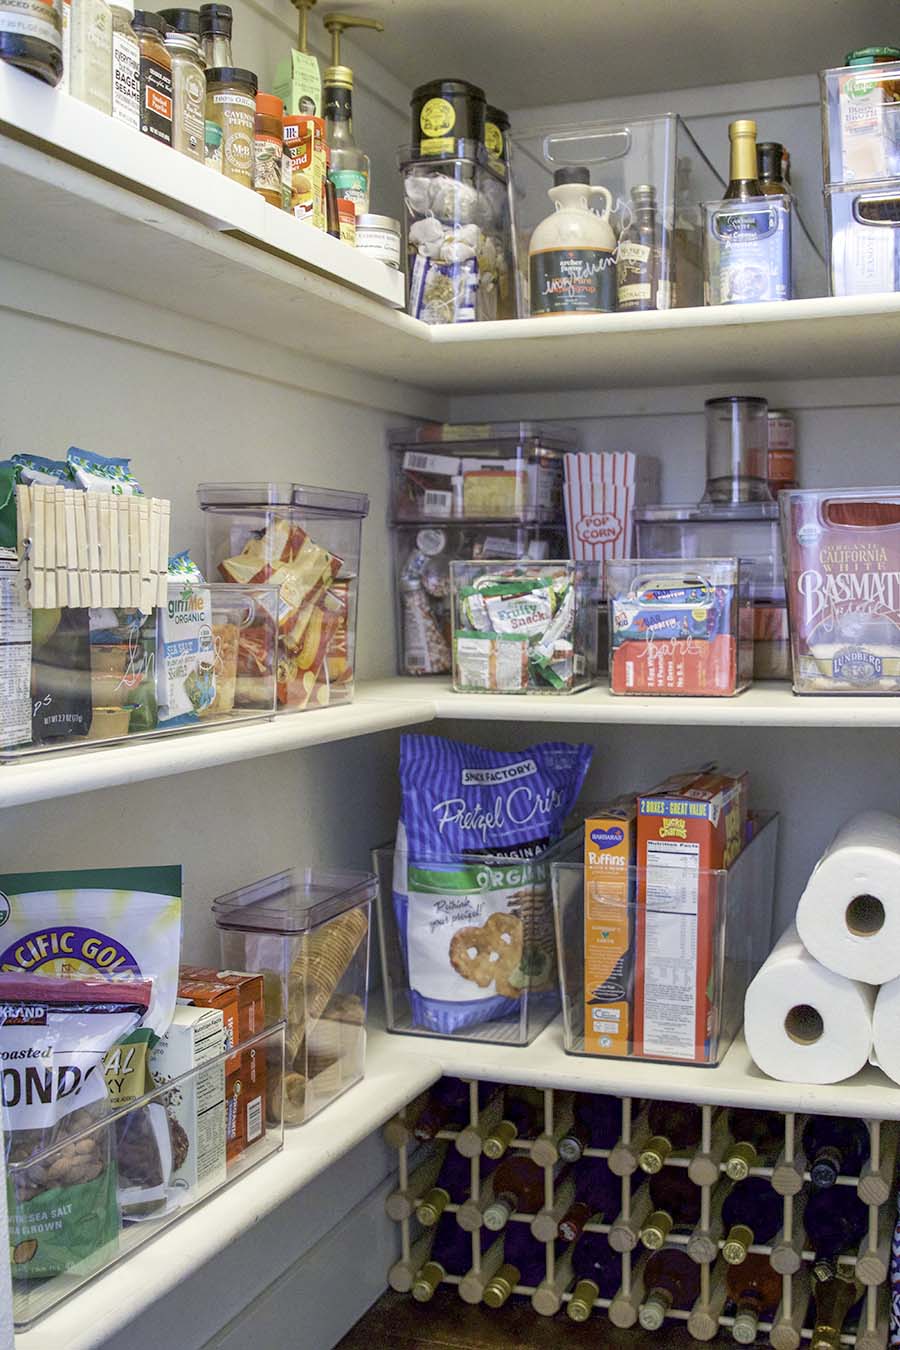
point(93, 201)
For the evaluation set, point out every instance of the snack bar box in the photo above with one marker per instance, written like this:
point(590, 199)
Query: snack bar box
point(307, 541)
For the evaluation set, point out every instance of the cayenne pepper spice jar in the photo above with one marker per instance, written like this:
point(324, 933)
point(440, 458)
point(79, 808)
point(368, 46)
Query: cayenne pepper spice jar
point(156, 76)
point(269, 149)
point(231, 105)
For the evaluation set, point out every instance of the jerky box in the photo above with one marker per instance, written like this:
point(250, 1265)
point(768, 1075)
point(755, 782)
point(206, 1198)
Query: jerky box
point(240, 997)
point(609, 848)
point(680, 627)
point(196, 1108)
point(690, 825)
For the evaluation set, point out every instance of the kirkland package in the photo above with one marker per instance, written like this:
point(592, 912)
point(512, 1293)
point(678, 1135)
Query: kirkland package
point(471, 892)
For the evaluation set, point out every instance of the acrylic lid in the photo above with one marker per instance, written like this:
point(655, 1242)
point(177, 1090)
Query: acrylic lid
point(459, 435)
point(315, 501)
point(871, 56)
point(711, 513)
point(293, 901)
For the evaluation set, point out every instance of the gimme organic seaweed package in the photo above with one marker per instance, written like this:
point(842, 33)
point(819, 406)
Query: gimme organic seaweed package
point(471, 877)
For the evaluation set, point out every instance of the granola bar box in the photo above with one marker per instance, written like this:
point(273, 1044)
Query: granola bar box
point(842, 572)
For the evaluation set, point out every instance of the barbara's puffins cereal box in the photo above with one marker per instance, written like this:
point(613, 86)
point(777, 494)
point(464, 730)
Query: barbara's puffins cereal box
point(687, 827)
point(842, 564)
point(609, 842)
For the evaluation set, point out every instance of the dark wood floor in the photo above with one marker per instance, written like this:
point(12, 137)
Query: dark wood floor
point(396, 1322)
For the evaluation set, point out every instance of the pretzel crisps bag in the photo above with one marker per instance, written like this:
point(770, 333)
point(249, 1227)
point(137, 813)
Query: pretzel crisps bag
point(471, 881)
point(61, 1182)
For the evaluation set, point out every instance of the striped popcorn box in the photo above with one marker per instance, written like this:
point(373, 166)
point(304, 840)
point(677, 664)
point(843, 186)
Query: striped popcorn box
point(600, 498)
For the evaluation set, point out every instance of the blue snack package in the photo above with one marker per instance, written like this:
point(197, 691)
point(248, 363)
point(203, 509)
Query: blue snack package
point(471, 887)
point(102, 473)
point(38, 469)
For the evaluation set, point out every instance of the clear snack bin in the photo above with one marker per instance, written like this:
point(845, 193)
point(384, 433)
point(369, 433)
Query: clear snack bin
point(458, 237)
point(434, 983)
point(528, 627)
point(622, 155)
point(861, 122)
point(709, 530)
point(306, 931)
point(308, 541)
point(682, 628)
point(747, 251)
point(501, 471)
point(72, 1169)
point(863, 225)
point(842, 559)
point(100, 676)
point(422, 558)
point(682, 977)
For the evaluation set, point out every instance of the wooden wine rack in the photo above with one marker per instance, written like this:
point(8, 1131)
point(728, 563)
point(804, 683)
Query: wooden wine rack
point(787, 1331)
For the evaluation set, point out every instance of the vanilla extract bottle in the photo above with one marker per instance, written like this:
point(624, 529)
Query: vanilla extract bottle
point(643, 279)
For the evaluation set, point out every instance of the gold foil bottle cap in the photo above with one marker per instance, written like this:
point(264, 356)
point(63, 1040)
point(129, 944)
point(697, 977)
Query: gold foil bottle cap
point(433, 1206)
point(584, 1296)
point(655, 1154)
point(427, 1280)
point(744, 127)
point(499, 1140)
point(656, 1230)
point(737, 1244)
point(339, 75)
point(739, 1160)
point(498, 1289)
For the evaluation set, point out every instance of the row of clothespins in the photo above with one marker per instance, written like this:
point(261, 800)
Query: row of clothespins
point(92, 550)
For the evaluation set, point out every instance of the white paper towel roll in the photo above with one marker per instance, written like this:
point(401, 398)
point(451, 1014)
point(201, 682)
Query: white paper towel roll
point(886, 1030)
point(803, 1023)
point(849, 914)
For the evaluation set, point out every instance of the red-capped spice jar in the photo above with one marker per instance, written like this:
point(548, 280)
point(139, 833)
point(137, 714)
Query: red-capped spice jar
point(269, 148)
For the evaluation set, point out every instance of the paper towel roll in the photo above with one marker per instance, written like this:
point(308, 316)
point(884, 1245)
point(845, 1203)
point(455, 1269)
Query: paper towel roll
point(886, 1030)
point(849, 914)
point(803, 1023)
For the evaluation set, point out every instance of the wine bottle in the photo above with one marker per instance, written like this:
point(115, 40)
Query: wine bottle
point(598, 1195)
point(401, 1204)
point(676, 1205)
point(834, 1147)
point(835, 1297)
point(757, 1139)
point(672, 1280)
point(835, 1221)
point(470, 1140)
point(524, 1263)
point(755, 1289)
point(743, 183)
point(597, 1271)
point(518, 1187)
point(522, 1118)
point(597, 1124)
point(451, 1254)
point(752, 1213)
point(674, 1126)
point(451, 1188)
point(448, 1106)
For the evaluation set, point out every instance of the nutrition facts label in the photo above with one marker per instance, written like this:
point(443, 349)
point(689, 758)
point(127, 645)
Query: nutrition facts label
point(670, 948)
point(15, 654)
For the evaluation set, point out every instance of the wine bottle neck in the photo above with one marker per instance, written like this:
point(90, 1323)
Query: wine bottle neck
point(737, 1244)
point(653, 1310)
point(655, 1153)
point(739, 1160)
point(500, 1286)
point(584, 1296)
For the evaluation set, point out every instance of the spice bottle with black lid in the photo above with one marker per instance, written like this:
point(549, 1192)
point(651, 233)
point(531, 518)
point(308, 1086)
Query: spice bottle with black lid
point(157, 91)
point(446, 115)
point(189, 84)
point(215, 35)
point(31, 38)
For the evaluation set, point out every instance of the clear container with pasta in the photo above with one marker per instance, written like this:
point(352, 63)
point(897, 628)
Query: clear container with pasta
point(306, 931)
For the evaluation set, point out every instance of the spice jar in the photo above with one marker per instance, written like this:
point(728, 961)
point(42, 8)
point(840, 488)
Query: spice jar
point(231, 105)
point(189, 83)
point(156, 76)
point(215, 35)
point(39, 48)
point(126, 66)
point(269, 149)
point(379, 237)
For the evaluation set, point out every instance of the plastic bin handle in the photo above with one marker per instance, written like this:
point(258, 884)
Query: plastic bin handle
point(587, 147)
point(877, 209)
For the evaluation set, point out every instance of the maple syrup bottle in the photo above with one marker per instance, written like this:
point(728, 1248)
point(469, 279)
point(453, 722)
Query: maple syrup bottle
point(672, 1280)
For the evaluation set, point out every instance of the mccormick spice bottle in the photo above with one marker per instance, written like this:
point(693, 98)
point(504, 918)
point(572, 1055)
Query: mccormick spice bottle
point(157, 93)
point(267, 161)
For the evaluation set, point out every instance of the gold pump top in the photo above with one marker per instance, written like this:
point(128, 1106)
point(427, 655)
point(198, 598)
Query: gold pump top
point(336, 25)
point(303, 7)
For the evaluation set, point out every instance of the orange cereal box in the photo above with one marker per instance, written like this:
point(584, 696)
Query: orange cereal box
point(609, 850)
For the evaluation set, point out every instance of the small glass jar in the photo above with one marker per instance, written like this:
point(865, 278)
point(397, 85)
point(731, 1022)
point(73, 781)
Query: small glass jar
point(39, 49)
point(269, 149)
point(215, 35)
point(737, 450)
point(379, 237)
point(126, 66)
point(189, 81)
point(156, 76)
point(231, 105)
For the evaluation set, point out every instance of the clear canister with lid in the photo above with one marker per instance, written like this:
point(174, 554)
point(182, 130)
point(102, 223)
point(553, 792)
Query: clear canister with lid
point(189, 85)
point(379, 237)
point(269, 150)
point(737, 449)
point(215, 35)
point(231, 105)
point(157, 90)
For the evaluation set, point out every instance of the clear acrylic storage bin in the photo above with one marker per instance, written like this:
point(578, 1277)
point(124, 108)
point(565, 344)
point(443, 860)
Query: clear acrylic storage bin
point(863, 228)
point(502, 471)
point(528, 627)
point(307, 541)
point(98, 677)
point(747, 251)
point(75, 1172)
point(486, 973)
point(680, 627)
point(422, 558)
point(861, 122)
point(458, 237)
point(622, 155)
point(692, 942)
point(306, 931)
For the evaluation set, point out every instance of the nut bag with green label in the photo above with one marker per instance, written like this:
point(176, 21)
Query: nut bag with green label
point(61, 1172)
